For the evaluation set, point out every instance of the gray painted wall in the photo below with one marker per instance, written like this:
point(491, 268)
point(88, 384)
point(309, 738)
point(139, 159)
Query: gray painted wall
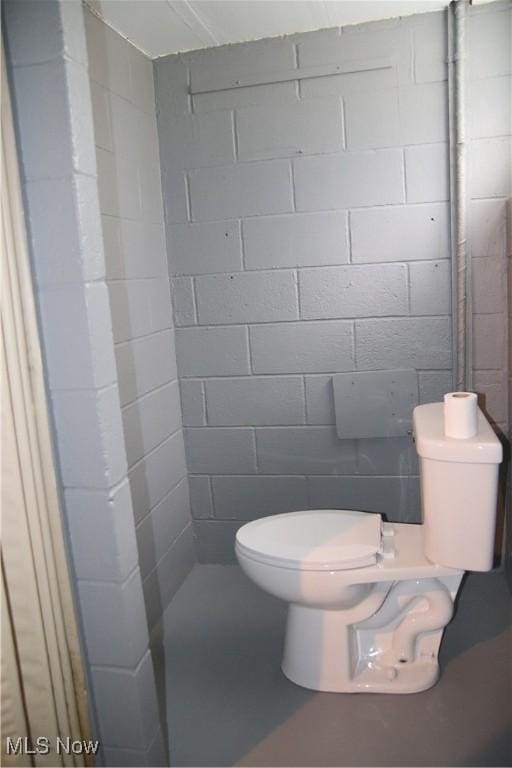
point(307, 234)
point(490, 185)
point(490, 105)
point(47, 55)
point(138, 286)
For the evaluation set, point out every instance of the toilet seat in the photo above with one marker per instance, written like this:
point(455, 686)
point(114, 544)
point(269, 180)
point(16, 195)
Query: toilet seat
point(313, 540)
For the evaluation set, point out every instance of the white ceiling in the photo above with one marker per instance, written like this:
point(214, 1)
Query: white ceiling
point(160, 27)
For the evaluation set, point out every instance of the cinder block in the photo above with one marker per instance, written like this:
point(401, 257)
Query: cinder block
point(127, 129)
point(374, 404)
point(196, 249)
point(98, 459)
point(430, 287)
point(353, 291)
point(149, 175)
point(200, 496)
point(183, 301)
point(247, 498)
point(52, 94)
point(142, 80)
point(133, 248)
point(101, 533)
point(493, 386)
point(400, 233)
point(150, 420)
point(38, 33)
point(350, 180)
point(158, 473)
point(212, 351)
point(139, 307)
point(77, 336)
point(488, 228)
point(390, 496)
point(126, 703)
point(159, 530)
point(142, 250)
point(118, 185)
point(489, 341)
point(241, 190)
point(193, 403)
point(342, 46)
point(270, 95)
point(102, 119)
point(220, 451)
point(307, 239)
point(145, 364)
point(107, 183)
point(489, 285)
point(373, 119)
point(424, 113)
point(489, 39)
point(433, 385)
point(490, 165)
point(427, 173)
point(430, 42)
point(489, 107)
point(222, 67)
point(319, 400)
point(255, 401)
point(108, 57)
point(215, 540)
point(174, 567)
point(174, 190)
point(403, 343)
point(304, 451)
point(66, 235)
point(113, 247)
point(114, 622)
point(247, 297)
point(386, 456)
point(354, 82)
point(304, 127)
point(197, 141)
point(171, 88)
point(316, 347)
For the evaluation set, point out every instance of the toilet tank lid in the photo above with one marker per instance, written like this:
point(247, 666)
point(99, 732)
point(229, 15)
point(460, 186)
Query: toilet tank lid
point(432, 443)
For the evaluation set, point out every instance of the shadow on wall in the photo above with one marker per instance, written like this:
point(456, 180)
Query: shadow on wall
point(501, 547)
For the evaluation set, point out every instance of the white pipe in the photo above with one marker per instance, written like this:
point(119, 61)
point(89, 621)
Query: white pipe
point(461, 263)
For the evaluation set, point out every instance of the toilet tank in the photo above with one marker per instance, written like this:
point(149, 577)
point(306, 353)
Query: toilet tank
point(459, 490)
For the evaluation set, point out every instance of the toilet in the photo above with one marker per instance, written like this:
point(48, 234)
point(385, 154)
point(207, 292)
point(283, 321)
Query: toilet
point(369, 600)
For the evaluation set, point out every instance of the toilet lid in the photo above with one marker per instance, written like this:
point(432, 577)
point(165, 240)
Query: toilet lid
point(325, 539)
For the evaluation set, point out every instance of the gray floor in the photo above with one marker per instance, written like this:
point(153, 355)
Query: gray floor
point(227, 702)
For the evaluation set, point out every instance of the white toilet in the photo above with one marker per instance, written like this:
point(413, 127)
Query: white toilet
point(369, 600)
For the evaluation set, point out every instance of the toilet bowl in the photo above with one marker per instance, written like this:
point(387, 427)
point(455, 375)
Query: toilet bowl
point(369, 600)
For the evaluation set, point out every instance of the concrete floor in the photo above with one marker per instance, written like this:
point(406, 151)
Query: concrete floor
point(228, 703)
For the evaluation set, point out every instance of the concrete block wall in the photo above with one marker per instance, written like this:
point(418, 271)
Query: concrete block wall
point(307, 234)
point(490, 190)
point(47, 57)
point(121, 81)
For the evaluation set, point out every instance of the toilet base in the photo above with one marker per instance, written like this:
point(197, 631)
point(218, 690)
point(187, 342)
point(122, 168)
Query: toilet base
point(416, 678)
point(391, 649)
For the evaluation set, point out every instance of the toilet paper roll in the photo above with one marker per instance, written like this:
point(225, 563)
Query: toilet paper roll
point(460, 415)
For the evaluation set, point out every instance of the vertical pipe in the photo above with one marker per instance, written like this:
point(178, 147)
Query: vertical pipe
point(461, 264)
